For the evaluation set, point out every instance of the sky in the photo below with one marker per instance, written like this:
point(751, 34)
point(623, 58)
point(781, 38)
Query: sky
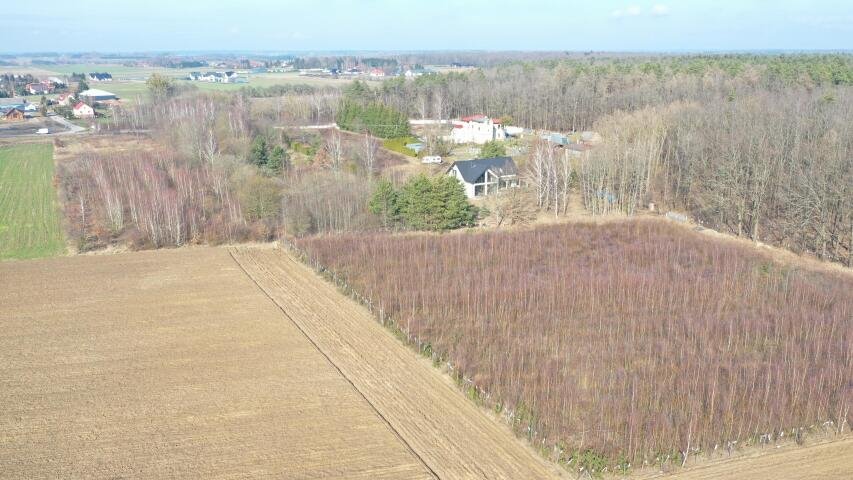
point(408, 25)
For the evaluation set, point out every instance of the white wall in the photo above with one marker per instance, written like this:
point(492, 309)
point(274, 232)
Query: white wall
point(469, 187)
point(477, 132)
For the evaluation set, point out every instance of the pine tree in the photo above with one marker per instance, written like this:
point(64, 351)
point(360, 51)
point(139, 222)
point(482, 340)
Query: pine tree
point(437, 203)
point(277, 160)
point(259, 153)
point(385, 203)
point(492, 149)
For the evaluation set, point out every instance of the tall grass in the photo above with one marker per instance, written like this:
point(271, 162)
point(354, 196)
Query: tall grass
point(637, 341)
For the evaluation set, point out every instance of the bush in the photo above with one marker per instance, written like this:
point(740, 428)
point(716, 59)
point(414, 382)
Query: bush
point(492, 149)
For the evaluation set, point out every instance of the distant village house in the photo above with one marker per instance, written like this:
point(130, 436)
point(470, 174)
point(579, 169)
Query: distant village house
point(14, 115)
point(39, 88)
point(65, 99)
point(82, 110)
point(215, 77)
point(485, 176)
point(477, 129)
point(99, 77)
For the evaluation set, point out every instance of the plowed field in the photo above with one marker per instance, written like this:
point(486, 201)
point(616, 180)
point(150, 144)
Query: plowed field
point(172, 364)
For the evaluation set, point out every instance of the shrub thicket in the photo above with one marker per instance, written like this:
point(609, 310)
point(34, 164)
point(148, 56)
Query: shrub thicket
point(638, 341)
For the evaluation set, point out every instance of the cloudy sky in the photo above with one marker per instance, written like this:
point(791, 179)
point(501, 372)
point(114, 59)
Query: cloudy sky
point(284, 25)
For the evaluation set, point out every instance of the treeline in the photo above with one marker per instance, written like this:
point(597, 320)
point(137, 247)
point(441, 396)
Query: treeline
point(572, 94)
point(624, 345)
point(773, 167)
point(148, 200)
point(281, 90)
point(361, 111)
point(754, 145)
point(248, 180)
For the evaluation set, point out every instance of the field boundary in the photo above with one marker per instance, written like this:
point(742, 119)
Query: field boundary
point(454, 436)
point(334, 365)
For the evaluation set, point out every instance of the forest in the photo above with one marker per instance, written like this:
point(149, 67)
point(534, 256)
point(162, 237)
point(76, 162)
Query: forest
point(759, 146)
point(617, 345)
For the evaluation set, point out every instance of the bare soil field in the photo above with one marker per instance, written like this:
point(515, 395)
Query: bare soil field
point(824, 461)
point(172, 364)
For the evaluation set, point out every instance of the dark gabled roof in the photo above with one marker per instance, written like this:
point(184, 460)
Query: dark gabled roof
point(472, 170)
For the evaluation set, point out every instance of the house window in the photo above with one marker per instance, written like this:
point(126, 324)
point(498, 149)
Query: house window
point(478, 190)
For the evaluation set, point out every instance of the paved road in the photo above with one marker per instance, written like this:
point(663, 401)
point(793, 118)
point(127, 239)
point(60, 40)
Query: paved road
point(65, 123)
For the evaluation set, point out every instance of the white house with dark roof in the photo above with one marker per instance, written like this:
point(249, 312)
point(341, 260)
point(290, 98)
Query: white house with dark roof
point(485, 176)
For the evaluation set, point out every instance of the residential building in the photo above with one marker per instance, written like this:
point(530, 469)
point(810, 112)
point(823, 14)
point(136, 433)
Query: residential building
point(64, 99)
point(41, 88)
point(485, 176)
point(215, 77)
point(14, 115)
point(477, 129)
point(82, 110)
point(99, 77)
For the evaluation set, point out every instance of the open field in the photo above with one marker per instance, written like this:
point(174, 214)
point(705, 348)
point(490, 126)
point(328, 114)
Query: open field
point(636, 340)
point(185, 368)
point(29, 212)
point(181, 369)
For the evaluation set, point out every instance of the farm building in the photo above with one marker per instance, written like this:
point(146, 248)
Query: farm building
point(14, 115)
point(484, 176)
point(81, 110)
point(99, 77)
point(95, 95)
point(477, 129)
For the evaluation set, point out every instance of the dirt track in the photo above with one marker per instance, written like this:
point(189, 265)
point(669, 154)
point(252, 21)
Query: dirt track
point(172, 364)
point(825, 461)
point(449, 432)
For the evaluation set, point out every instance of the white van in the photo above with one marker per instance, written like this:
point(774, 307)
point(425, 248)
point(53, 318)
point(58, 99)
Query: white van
point(431, 159)
point(43, 131)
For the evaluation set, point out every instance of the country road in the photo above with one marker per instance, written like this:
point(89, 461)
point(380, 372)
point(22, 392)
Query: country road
point(72, 129)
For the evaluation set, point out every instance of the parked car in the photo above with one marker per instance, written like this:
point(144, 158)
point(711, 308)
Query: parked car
point(431, 159)
point(43, 131)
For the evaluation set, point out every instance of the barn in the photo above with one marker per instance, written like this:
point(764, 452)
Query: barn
point(96, 95)
point(14, 115)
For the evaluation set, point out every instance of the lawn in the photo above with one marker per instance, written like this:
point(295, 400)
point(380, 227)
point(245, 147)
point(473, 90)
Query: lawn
point(29, 213)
